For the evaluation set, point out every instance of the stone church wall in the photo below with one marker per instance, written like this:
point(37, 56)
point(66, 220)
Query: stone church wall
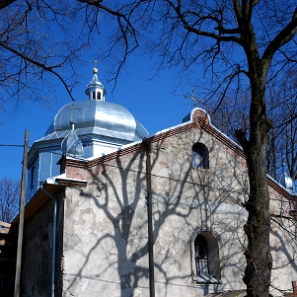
point(189, 201)
point(103, 245)
point(105, 242)
point(106, 225)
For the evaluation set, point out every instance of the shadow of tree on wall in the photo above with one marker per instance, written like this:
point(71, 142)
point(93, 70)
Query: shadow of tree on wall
point(106, 237)
point(283, 243)
point(117, 192)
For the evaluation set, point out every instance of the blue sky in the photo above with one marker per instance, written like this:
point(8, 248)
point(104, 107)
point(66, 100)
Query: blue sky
point(158, 104)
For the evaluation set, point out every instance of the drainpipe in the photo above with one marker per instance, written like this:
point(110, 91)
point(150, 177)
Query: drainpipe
point(53, 241)
point(150, 218)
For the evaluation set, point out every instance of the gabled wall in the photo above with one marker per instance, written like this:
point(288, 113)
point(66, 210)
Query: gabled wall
point(107, 222)
point(189, 201)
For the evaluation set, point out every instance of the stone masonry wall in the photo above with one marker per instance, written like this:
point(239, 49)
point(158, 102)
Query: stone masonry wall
point(105, 235)
point(105, 239)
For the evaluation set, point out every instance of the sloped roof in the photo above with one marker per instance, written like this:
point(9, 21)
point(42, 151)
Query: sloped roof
point(96, 117)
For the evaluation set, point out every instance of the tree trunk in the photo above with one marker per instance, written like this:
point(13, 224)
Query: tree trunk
point(257, 228)
point(259, 261)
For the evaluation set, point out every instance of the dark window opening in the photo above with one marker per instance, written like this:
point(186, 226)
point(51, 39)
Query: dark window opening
point(200, 158)
point(32, 177)
point(201, 256)
point(94, 95)
point(98, 95)
point(207, 259)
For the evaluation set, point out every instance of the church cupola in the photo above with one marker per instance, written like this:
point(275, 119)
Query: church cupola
point(286, 181)
point(71, 145)
point(95, 90)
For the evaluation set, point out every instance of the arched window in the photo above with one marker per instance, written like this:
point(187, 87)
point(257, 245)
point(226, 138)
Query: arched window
point(201, 256)
point(200, 156)
point(206, 259)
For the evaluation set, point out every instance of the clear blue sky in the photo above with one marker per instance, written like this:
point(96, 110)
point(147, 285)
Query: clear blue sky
point(157, 104)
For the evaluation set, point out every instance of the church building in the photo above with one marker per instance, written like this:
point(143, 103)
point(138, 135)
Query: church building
point(115, 212)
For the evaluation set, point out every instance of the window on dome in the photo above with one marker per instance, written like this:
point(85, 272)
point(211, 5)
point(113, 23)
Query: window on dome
point(98, 95)
point(94, 95)
point(32, 177)
point(200, 157)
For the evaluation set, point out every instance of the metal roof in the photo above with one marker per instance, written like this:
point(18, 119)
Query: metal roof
point(96, 117)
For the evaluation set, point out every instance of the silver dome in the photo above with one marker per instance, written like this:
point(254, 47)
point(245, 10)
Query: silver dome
point(96, 117)
point(98, 128)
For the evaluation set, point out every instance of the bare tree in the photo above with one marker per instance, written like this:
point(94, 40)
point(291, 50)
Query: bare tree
point(241, 45)
point(9, 199)
point(35, 41)
point(39, 44)
point(236, 44)
point(285, 130)
point(281, 109)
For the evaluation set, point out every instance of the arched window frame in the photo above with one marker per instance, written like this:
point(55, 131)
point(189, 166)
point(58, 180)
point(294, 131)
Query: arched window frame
point(212, 259)
point(200, 156)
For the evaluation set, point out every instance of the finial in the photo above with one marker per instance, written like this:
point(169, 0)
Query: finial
point(95, 90)
point(72, 122)
point(284, 166)
point(286, 180)
point(71, 144)
point(95, 68)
